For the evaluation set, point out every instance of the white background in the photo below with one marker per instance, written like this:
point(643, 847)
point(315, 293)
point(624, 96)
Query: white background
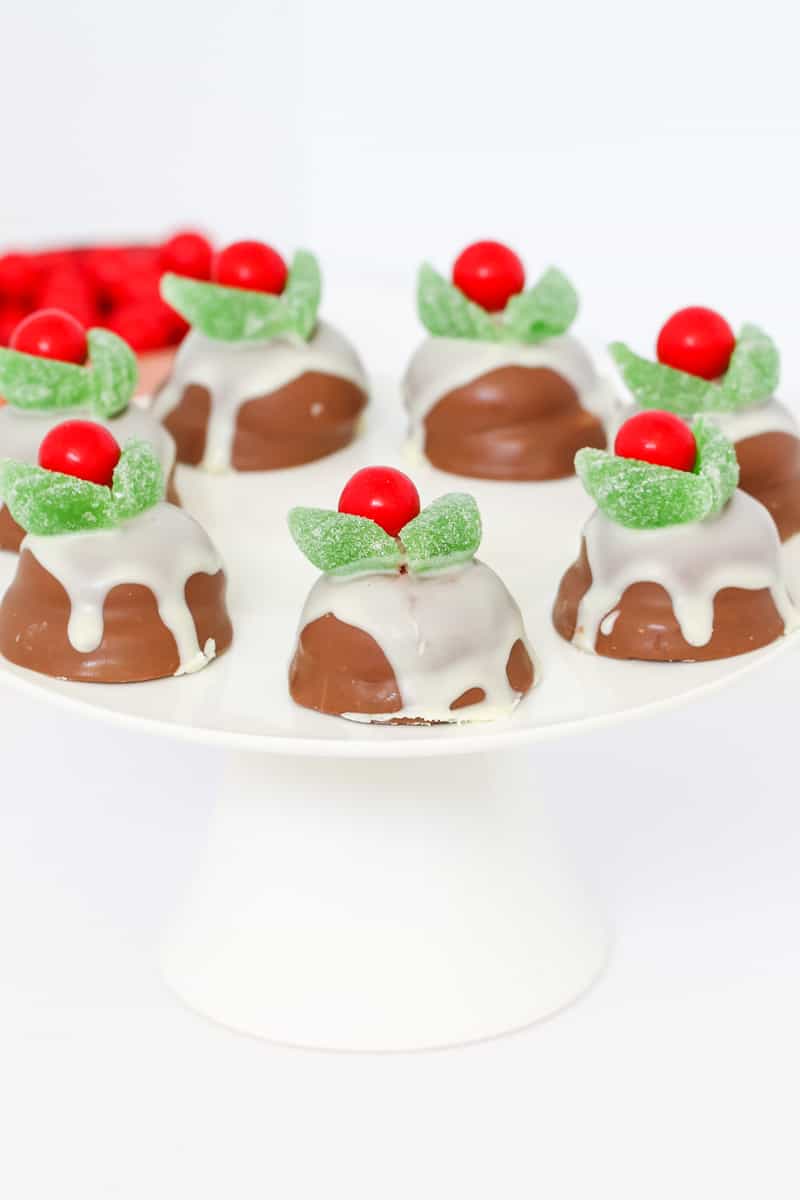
point(652, 152)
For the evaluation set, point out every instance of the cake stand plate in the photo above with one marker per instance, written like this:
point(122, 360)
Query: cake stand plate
point(380, 888)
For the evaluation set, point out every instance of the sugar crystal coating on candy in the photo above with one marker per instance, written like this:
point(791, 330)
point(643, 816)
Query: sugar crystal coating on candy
point(231, 314)
point(28, 381)
point(754, 370)
point(46, 502)
point(448, 531)
point(545, 310)
point(113, 372)
point(342, 544)
point(138, 481)
point(641, 495)
point(446, 312)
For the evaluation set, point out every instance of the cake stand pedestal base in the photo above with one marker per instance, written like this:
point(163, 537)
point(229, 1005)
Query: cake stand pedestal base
point(350, 904)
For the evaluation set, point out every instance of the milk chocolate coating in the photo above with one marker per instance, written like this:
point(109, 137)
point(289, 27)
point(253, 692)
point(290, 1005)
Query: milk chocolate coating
point(136, 644)
point(338, 668)
point(770, 471)
point(314, 415)
point(648, 629)
point(522, 423)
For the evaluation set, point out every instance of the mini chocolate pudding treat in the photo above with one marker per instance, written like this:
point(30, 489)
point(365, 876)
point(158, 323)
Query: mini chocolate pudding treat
point(53, 369)
point(259, 383)
point(500, 390)
point(676, 564)
point(703, 368)
point(113, 584)
point(405, 626)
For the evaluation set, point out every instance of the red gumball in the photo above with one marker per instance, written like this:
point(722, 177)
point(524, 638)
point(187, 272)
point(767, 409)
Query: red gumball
point(657, 437)
point(81, 448)
point(51, 333)
point(19, 274)
point(10, 316)
point(698, 341)
point(251, 265)
point(68, 289)
point(189, 254)
point(489, 273)
point(147, 324)
point(384, 495)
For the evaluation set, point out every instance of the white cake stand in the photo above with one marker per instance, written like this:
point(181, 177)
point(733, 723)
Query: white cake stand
point(375, 888)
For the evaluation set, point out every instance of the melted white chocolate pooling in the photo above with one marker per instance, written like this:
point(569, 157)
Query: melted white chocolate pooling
point(21, 432)
point(442, 364)
point(161, 550)
point(443, 633)
point(737, 549)
point(235, 372)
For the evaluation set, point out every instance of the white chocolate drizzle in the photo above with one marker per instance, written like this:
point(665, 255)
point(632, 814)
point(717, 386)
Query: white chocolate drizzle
point(442, 633)
point(22, 432)
point(161, 550)
point(442, 364)
point(692, 562)
point(235, 372)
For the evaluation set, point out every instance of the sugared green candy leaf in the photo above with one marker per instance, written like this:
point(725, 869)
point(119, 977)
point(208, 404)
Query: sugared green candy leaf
point(47, 502)
point(112, 374)
point(448, 531)
point(543, 311)
point(138, 481)
point(105, 385)
point(231, 314)
point(341, 544)
point(640, 495)
point(751, 378)
point(446, 312)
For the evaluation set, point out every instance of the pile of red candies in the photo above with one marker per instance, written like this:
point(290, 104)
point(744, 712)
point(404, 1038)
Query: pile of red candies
point(111, 286)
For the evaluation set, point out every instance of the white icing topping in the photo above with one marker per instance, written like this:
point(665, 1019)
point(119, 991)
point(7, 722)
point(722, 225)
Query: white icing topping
point(790, 551)
point(21, 432)
point(235, 372)
point(161, 550)
point(441, 365)
point(442, 633)
point(739, 548)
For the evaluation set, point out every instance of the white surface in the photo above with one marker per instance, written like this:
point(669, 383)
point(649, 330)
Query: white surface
point(341, 908)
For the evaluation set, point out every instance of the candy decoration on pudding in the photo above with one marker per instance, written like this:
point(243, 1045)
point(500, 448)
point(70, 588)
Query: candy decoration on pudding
point(113, 584)
point(696, 340)
point(676, 564)
point(187, 253)
point(259, 383)
point(405, 626)
point(659, 438)
point(500, 390)
point(53, 368)
point(740, 399)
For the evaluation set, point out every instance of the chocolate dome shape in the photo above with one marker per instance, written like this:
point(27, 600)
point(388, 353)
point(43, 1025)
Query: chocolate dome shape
point(264, 405)
point(140, 601)
point(404, 647)
point(505, 410)
point(704, 590)
point(21, 434)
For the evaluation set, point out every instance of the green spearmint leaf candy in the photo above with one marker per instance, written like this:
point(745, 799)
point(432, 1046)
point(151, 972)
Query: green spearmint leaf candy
point(341, 544)
point(543, 311)
point(138, 481)
point(446, 312)
point(655, 385)
point(47, 503)
point(41, 384)
point(641, 495)
point(754, 370)
point(447, 532)
point(112, 373)
point(303, 293)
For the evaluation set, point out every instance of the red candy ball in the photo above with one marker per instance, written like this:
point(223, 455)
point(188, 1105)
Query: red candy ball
point(657, 437)
point(489, 273)
point(189, 254)
point(19, 274)
point(68, 288)
point(696, 340)
point(147, 324)
point(384, 495)
point(51, 333)
point(80, 448)
point(251, 265)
